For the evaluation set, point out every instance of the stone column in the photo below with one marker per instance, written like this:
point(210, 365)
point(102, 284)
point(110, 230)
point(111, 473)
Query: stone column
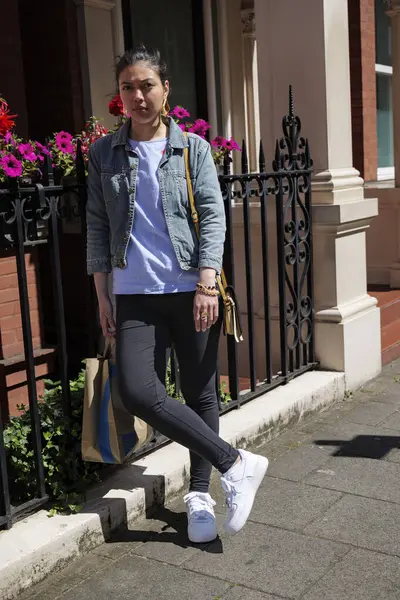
point(101, 41)
point(223, 38)
point(251, 86)
point(306, 44)
point(210, 67)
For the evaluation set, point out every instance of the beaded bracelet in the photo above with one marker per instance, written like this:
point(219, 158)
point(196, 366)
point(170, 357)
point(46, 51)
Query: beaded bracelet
point(206, 291)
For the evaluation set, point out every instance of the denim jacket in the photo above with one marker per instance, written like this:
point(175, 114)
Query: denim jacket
point(113, 167)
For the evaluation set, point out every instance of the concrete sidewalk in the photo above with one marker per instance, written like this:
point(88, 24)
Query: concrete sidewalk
point(326, 524)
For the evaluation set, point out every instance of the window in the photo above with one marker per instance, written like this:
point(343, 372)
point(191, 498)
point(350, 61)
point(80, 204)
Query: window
point(175, 31)
point(384, 72)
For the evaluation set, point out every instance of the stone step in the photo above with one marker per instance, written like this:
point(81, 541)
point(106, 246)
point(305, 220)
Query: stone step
point(389, 303)
point(390, 339)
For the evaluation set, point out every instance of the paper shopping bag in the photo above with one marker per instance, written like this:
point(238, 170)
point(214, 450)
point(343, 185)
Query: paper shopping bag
point(110, 434)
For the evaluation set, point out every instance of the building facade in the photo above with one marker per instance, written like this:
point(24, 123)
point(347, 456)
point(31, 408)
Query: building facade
point(231, 62)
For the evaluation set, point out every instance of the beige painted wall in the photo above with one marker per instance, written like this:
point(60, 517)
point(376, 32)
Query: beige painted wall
point(99, 36)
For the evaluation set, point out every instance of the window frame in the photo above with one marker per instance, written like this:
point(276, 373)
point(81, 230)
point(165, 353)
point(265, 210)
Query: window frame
point(384, 173)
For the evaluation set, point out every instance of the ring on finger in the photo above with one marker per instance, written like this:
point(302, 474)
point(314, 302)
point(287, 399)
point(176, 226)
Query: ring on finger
point(204, 316)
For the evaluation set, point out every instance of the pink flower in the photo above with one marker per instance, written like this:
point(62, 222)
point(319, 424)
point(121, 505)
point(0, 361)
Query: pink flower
point(42, 148)
point(65, 146)
point(11, 166)
point(64, 135)
point(182, 126)
point(8, 138)
point(64, 141)
point(179, 112)
point(27, 152)
point(231, 145)
point(218, 142)
point(200, 126)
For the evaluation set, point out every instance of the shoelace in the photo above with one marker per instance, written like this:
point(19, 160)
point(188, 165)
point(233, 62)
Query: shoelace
point(199, 505)
point(230, 492)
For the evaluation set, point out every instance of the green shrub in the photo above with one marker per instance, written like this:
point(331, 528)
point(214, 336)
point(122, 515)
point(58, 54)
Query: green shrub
point(66, 474)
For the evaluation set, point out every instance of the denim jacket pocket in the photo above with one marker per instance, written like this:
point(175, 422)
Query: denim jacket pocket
point(112, 184)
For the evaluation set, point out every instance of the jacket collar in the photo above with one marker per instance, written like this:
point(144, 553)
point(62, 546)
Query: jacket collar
point(176, 137)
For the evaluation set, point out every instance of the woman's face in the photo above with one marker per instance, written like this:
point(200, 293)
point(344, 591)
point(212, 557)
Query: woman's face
point(142, 92)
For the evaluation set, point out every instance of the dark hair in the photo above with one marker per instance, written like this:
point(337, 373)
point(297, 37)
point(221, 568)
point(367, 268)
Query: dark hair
point(142, 54)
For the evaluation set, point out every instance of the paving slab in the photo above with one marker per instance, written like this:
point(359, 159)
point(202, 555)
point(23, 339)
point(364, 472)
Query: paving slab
point(392, 421)
point(72, 575)
point(372, 524)
point(371, 413)
point(298, 463)
point(241, 593)
point(378, 479)
point(394, 455)
point(390, 394)
point(291, 505)
point(137, 578)
point(173, 547)
point(270, 559)
point(362, 575)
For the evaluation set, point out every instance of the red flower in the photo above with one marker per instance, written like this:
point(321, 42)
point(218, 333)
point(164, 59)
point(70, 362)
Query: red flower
point(116, 107)
point(6, 120)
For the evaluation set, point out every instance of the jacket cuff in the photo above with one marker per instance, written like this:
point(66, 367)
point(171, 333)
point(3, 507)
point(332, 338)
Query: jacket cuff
point(211, 262)
point(99, 266)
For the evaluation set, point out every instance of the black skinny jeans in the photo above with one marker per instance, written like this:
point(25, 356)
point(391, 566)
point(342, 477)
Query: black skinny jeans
point(146, 327)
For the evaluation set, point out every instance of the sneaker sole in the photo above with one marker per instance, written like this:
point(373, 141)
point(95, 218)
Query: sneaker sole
point(200, 540)
point(259, 474)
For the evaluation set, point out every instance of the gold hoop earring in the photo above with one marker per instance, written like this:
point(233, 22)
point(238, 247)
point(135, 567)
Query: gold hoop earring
point(165, 108)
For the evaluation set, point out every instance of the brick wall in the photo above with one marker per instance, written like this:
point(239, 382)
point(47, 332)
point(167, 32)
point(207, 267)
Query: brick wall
point(363, 87)
point(10, 314)
point(13, 385)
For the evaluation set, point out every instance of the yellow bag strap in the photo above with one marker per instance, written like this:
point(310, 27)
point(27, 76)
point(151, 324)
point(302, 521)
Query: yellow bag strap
point(221, 280)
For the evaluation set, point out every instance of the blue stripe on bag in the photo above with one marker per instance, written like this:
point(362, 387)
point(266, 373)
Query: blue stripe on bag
point(104, 429)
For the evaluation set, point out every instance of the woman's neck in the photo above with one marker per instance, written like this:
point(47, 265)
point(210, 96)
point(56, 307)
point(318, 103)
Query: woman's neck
point(148, 131)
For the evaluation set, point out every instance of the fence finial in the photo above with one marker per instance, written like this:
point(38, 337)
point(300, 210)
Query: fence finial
point(226, 167)
point(245, 165)
point(261, 158)
point(277, 162)
point(291, 102)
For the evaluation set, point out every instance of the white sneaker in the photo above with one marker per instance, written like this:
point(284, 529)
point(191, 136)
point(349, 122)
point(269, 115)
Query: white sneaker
point(240, 485)
point(202, 526)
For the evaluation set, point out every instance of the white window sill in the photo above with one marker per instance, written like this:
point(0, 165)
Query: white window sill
point(385, 174)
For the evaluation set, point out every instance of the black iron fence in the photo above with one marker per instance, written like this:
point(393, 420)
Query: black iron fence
point(282, 197)
point(268, 258)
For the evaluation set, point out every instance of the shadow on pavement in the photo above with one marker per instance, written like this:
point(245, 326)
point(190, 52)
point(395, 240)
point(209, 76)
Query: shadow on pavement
point(173, 521)
point(364, 446)
point(131, 477)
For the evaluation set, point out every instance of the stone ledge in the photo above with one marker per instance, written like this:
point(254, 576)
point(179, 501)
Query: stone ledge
point(39, 545)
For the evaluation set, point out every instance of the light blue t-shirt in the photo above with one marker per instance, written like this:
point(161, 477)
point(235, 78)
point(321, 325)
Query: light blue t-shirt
point(152, 266)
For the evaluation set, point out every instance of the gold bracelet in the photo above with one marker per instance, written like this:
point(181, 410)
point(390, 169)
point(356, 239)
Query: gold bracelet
point(206, 291)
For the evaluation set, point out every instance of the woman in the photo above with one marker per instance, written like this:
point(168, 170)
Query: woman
point(140, 228)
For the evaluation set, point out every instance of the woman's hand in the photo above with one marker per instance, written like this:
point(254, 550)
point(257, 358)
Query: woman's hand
point(106, 317)
point(105, 306)
point(205, 311)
